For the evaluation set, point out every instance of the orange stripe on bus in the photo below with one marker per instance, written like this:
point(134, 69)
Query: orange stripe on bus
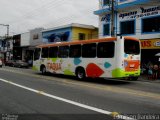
point(130, 38)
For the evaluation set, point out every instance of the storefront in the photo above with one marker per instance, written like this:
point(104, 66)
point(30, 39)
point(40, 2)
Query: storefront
point(135, 18)
point(149, 51)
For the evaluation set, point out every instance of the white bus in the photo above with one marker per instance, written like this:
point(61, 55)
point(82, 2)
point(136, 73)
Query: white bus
point(107, 58)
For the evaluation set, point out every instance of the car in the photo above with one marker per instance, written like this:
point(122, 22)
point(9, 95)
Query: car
point(1, 63)
point(10, 63)
point(20, 63)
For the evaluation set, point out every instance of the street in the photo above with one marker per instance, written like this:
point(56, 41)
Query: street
point(27, 92)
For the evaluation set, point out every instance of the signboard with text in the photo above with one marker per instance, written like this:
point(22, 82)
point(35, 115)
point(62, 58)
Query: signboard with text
point(141, 12)
point(150, 44)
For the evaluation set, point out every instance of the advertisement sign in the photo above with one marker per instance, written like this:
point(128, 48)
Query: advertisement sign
point(56, 36)
point(150, 44)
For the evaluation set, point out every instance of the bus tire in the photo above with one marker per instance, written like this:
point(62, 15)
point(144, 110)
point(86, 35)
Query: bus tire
point(43, 70)
point(80, 73)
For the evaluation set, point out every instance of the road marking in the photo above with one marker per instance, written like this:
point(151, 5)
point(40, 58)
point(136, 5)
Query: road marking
point(107, 88)
point(68, 101)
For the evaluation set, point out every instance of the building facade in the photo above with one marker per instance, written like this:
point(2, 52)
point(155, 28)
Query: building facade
point(25, 43)
point(36, 37)
point(136, 18)
point(69, 32)
point(6, 48)
point(17, 49)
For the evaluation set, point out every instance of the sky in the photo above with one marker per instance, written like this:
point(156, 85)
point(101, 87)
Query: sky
point(24, 15)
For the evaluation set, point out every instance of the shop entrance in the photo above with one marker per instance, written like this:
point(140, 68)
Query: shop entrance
point(148, 55)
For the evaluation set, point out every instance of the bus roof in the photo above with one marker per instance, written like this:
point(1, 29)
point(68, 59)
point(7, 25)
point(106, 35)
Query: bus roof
point(84, 41)
point(78, 42)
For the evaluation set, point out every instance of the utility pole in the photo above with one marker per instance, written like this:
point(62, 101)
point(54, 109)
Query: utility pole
point(7, 29)
point(112, 18)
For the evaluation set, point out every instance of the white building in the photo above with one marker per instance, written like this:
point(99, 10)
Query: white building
point(136, 18)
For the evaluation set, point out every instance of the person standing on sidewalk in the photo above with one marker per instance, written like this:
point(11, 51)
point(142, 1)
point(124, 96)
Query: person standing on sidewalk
point(159, 72)
point(155, 72)
point(1, 63)
point(150, 72)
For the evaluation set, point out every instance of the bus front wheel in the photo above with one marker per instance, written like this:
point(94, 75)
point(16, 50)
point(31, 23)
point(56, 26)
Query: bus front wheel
point(80, 73)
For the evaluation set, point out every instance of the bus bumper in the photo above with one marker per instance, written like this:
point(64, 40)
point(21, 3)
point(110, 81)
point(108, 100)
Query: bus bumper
point(119, 73)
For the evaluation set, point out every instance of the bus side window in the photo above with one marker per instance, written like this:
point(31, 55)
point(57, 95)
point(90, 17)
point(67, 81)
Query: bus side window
point(63, 51)
point(37, 54)
point(75, 51)
point(44, 53)
point(89, 50)
point(53, 52)
point(105, 50)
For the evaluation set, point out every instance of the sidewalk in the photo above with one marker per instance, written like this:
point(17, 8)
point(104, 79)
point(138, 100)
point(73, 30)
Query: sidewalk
point(145, 79)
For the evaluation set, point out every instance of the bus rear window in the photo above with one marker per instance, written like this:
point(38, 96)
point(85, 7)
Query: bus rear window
point(131, 47)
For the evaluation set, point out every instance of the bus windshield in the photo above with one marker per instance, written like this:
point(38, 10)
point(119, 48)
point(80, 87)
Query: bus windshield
point(131, 47)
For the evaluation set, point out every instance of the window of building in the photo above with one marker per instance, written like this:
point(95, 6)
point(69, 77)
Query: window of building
point(82, 36)
point(89, 50)
point(63, 51)
point(44, 52)
point(127, 27)
point(151, 24)
point(105, 2)
point(35, 36)
point(75, 51)
point(105, 50)
point(53, 52)
point(106, 29)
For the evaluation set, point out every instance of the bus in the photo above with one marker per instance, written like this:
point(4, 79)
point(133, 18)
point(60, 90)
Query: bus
point(113, 57)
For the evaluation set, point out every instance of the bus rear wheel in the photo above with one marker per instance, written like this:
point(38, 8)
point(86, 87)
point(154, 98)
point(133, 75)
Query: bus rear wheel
point(134, 78)
point(80, 73)
point(43, 70)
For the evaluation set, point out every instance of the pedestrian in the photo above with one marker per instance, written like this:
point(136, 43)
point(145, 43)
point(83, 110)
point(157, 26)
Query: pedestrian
point(1, 63)
point(159, 72)
point(150, 72)
point(155, 72)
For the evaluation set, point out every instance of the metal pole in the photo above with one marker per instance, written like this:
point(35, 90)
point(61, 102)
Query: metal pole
point(7, 30)
point(112, 19)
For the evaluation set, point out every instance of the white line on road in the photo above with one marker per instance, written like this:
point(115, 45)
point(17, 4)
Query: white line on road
point(68, 101)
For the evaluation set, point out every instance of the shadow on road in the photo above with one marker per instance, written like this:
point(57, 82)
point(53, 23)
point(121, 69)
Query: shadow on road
point(107, 81)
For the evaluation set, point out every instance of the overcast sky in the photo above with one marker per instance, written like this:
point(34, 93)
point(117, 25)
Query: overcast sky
point(23, 15)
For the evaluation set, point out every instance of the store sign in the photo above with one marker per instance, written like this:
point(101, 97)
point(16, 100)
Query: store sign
point(150, 44)
point(143, 12)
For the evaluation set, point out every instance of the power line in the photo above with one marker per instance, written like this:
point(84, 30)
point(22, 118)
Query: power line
point(37, 12)
point(65, 19)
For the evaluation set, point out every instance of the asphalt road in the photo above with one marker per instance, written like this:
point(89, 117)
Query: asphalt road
point(28, 93)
